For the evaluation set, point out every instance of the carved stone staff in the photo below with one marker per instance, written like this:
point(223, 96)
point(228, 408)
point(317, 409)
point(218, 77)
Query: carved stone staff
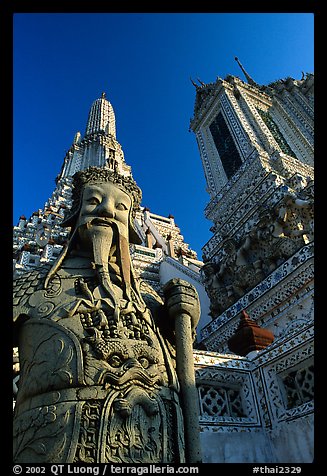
point(183, 305)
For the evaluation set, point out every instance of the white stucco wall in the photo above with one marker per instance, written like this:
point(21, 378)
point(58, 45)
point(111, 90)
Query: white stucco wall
point(290, 442)
point(236, 447)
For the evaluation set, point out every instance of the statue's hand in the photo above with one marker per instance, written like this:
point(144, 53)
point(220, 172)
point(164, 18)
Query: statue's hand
point(181, 297)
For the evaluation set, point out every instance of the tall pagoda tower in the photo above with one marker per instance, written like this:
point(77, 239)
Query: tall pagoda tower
point(163, 253)
point(257, 148)
point(256, 144)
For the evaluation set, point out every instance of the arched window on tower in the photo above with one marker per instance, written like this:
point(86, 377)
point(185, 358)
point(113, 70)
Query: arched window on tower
point(225, 145)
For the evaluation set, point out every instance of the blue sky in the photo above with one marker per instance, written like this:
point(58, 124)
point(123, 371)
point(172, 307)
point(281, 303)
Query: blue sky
point(143, 61)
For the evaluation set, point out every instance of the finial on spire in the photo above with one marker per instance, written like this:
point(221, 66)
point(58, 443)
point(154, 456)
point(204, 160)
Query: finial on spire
point(194, 84)
point(103, 95)
point(248, 77)
point(199, 81)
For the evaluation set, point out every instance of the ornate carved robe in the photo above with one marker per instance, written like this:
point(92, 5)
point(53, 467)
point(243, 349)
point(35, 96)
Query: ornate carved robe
point(94, 386)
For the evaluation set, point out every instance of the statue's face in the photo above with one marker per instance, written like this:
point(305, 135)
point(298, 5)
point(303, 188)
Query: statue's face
point(208, 270)
point(102, 205)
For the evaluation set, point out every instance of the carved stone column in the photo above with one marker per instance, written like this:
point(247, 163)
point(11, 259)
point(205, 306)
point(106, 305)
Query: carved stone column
point(186, 376)
point(183, 305)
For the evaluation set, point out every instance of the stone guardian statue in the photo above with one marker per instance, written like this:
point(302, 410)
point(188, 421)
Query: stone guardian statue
point(106, 373)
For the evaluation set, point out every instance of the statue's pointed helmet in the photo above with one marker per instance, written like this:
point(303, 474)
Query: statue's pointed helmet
point(97, 175)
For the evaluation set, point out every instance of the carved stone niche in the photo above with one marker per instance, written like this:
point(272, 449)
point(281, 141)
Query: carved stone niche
point(249, 337)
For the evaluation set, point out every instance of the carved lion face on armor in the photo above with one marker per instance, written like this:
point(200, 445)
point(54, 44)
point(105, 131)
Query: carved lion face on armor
point(133, 360)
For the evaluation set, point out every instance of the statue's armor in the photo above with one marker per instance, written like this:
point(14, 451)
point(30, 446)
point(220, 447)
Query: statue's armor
point(94, 387)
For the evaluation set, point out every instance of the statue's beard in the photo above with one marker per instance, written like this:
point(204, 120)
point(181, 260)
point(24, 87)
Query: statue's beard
point(109, 244)
point(107, 240)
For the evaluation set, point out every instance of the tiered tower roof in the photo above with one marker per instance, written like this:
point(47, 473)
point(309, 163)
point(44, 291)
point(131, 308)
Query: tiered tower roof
point(101, 118)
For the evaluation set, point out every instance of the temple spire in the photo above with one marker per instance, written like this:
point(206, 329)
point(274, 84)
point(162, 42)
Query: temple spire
point(248, 77)
point(101, 117)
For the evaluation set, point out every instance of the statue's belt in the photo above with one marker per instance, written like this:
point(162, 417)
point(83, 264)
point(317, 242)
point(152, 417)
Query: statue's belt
point(77, 394)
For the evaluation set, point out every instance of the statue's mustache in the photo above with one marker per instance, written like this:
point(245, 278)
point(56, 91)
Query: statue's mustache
point(101, 221)
point(90, 221)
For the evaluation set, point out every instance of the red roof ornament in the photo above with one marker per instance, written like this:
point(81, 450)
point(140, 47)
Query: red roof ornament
point(249, 337)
